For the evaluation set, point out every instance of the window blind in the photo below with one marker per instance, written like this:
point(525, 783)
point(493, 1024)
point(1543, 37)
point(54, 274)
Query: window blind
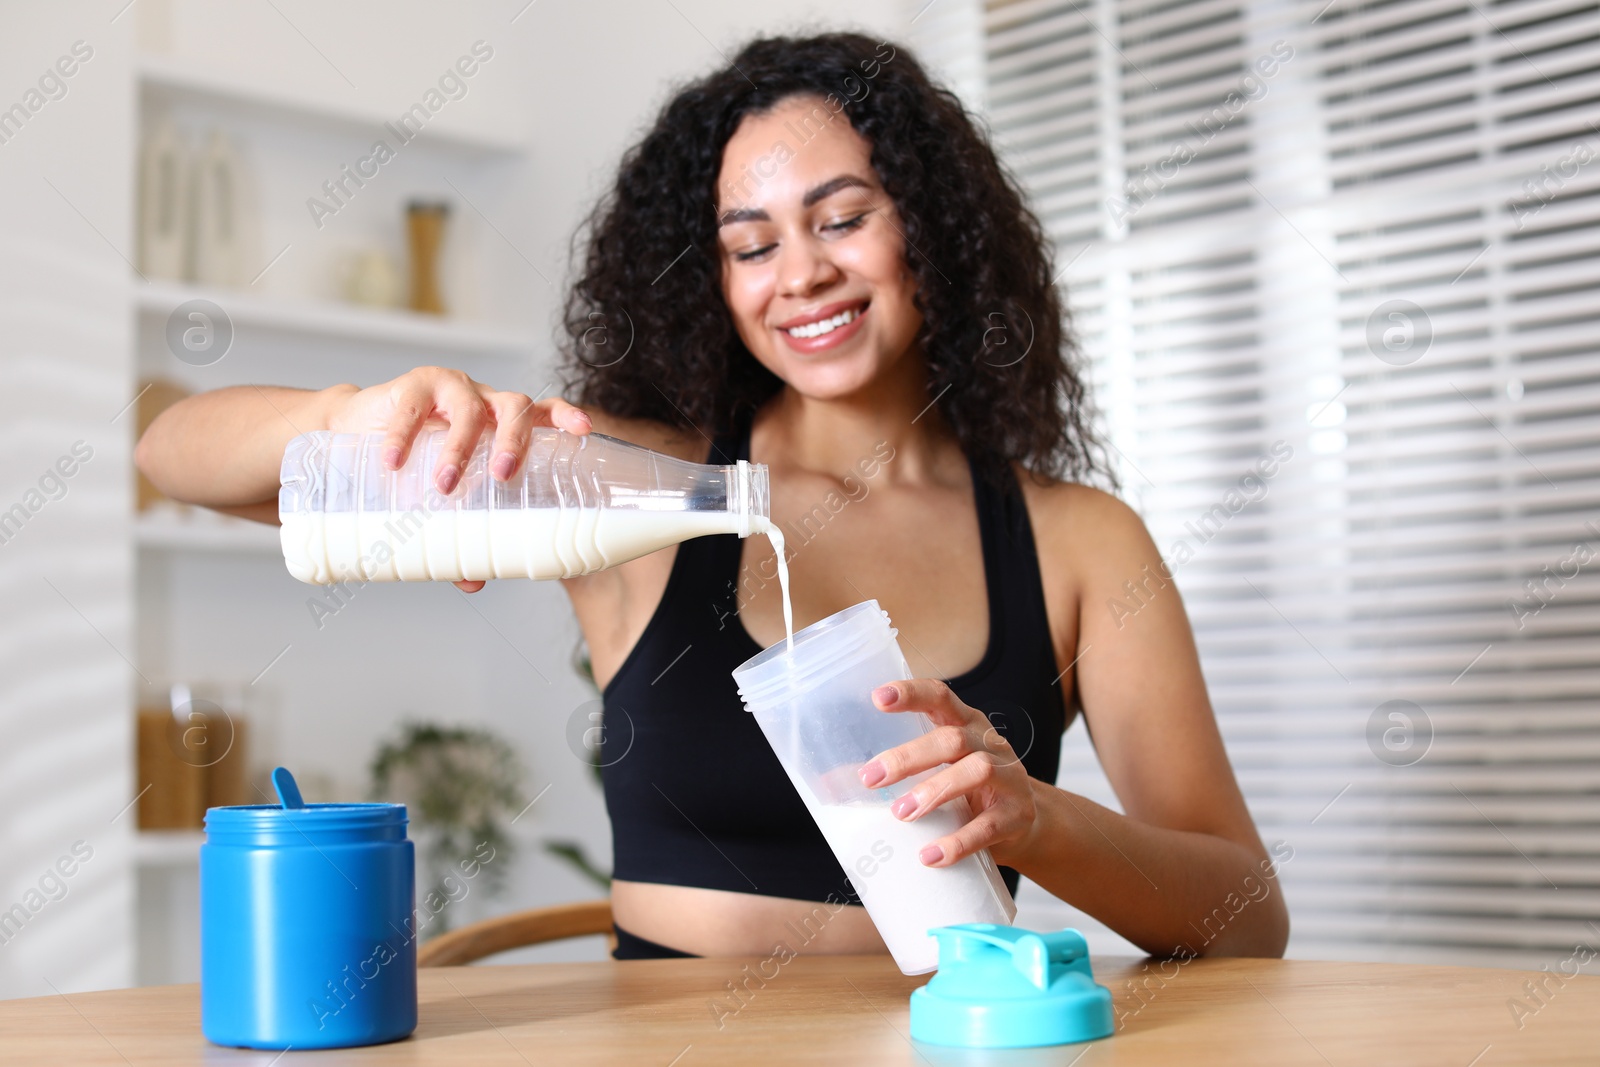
point(1357, 244)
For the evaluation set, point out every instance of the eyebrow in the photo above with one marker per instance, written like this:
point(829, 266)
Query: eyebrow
point(813, 195)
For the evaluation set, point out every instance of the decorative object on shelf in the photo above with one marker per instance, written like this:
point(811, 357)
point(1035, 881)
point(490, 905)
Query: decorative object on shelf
point(425, 222)
point(175, 799)
point(222, 212)
point(196, 217)
point(193, 754)
point(164, 203)
point(459, 784)
point(372, 280)
point(155, 396)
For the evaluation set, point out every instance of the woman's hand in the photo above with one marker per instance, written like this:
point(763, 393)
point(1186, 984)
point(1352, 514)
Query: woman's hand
point(983, 768)
point(435, 397)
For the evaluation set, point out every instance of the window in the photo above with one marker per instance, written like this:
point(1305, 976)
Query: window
point(1357, 245)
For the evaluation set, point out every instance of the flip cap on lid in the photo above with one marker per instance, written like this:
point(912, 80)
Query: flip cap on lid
point(1003, 987)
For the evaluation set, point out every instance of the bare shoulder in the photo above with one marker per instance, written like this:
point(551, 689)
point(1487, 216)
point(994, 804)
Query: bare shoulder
point(1082, 523)
point(1087, 542)
point(686, 444)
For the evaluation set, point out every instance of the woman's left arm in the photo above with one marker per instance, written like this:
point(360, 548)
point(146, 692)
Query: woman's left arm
point(1183, 871)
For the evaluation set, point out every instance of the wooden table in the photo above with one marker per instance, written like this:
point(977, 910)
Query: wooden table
point(853, 1010)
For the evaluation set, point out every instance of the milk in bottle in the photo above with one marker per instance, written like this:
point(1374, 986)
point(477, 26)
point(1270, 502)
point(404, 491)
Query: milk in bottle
point(582, 504)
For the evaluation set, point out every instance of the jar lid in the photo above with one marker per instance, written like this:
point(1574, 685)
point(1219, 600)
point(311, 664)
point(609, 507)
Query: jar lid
point(313, 824)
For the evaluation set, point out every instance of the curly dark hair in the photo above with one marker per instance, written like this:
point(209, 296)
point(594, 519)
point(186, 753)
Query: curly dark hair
point(650, 283)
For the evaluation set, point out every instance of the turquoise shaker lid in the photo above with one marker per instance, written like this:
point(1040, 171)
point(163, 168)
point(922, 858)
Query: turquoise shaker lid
point(1002, 987)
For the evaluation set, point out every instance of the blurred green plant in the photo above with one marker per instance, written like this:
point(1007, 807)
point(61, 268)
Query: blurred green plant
point(459, 785)
point(585, 668)
point(572, 852)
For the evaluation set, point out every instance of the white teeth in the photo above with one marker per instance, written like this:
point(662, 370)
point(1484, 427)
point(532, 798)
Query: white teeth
point(817, 329)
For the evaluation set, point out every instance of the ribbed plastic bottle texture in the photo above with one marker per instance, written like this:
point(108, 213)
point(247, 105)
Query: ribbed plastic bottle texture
point(582, 504)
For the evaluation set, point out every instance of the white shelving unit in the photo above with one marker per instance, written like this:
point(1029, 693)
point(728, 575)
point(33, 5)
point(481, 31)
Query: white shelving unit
point(167, 848)
point(340, 335)
point(181, 79)
point(162, 530)
point(328, 320)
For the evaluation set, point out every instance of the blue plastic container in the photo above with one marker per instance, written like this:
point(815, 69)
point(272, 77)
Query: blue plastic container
point(307, 926)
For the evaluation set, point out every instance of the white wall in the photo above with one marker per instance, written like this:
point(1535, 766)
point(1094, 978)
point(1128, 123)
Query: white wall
point(581, 80)
point(65, 578)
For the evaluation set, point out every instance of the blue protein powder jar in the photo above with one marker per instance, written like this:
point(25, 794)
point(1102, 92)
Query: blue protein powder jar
point(307, 926)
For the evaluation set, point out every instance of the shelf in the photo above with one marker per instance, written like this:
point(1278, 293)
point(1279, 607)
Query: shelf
point(325, 319)
point(165, 531)
point(182, 79)
point(167, 848)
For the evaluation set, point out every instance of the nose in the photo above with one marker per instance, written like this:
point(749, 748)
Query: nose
point(804, 267)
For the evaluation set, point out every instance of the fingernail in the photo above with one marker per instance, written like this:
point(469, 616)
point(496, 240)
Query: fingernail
point(504, 464)
point(391, 457)
point(886, 695)
point(904, 806)
point(448, 479)
point(873, 773)
point(931, 855)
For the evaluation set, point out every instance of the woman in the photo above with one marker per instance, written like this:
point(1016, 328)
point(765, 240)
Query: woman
point(813, 260)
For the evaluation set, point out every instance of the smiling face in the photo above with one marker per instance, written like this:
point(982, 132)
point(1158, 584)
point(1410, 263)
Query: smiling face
point(813, 262)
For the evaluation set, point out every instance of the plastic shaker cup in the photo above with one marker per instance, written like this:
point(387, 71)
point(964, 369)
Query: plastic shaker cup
point(815, 707)
point(306, 924)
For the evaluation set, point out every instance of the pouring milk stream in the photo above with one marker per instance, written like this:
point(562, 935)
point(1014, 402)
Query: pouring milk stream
point(587, 503)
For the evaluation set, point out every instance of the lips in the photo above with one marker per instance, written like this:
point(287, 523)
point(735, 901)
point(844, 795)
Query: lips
point(823, 314)
point(824, 327)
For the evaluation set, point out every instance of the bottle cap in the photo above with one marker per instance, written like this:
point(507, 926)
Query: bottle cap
point(1004, 987)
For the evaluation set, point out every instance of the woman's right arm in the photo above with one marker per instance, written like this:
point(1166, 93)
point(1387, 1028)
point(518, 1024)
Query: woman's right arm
point(223, 449)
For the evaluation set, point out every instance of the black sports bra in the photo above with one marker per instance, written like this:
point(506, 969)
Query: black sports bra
point(696, 796)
